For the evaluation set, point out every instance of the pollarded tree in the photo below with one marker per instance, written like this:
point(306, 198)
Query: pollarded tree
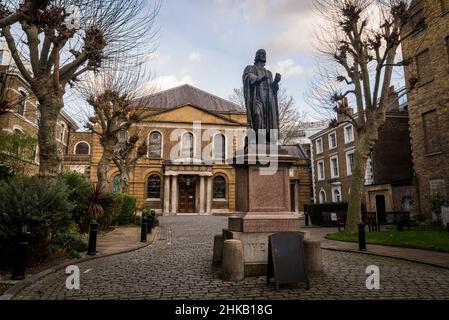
point(53, 42)
point(125, 158)
point(112, 95)
point(359, 42)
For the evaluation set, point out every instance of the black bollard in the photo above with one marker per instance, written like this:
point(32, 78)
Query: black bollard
point(400, 225)
point(307, 219)
point(143, 231)
point(20, 256)
point(447, 226)
point(362, 237)
point(92, 247)
point(150, 224)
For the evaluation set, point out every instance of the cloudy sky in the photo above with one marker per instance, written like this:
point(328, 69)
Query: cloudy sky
point(208, 43)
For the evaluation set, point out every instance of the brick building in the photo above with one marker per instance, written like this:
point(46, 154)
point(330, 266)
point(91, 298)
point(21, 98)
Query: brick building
point(428, 84)
point(388, 178)
point(23, 116)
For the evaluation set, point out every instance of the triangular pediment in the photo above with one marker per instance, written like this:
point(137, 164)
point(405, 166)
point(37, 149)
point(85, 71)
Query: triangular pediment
point(190, 113)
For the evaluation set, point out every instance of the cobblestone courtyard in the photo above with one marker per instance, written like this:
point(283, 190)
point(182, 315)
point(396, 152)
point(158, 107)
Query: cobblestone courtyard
point(178, 266)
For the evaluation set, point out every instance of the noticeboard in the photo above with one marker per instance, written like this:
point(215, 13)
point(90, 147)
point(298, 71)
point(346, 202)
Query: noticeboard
point(286, 259)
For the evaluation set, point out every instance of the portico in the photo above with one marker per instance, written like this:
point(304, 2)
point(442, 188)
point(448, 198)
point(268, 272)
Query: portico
point(188, 190)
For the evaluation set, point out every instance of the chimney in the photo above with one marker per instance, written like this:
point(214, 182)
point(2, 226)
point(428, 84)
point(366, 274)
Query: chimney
point(343, 105)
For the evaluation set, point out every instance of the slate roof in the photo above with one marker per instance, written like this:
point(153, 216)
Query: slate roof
point(187, 94)
point(296, 151)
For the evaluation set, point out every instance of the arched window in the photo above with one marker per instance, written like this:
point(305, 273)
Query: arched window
point(116, 184)
point(154, 187)
point(122, 136)
point(22, 101)
point(336, 195)
point(322, 196)
point(219, 187)
point(187, 145)
point(82, 148)
point(155, 145)
point(219, 147)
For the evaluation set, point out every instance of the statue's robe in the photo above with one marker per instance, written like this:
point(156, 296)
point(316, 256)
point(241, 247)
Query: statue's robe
point(261, 100)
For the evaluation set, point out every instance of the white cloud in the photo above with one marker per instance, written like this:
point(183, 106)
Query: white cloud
point(195, 56)
point(171, 81)
point(288, 68)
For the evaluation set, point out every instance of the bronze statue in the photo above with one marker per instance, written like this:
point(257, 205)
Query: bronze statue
point(260, 91)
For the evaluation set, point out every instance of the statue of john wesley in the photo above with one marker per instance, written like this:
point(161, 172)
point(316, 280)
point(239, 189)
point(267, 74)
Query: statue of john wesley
point(260, 91)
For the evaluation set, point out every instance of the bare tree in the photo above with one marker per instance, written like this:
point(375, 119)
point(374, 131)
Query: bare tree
point(117, 97)
point(53, 42)
point(289, 116)
point(359, 41)
point(125, 158)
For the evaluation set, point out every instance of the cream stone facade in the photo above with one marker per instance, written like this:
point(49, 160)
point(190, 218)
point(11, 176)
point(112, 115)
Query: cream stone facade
point(190, 136)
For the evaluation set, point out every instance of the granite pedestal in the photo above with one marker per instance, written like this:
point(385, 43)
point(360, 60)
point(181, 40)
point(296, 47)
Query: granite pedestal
point(262, 205)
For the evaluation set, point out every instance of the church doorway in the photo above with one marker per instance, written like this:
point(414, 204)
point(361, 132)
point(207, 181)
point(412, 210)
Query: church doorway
point(187, 194)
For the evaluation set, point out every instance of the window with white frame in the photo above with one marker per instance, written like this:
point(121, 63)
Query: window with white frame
point(322, 196)
point(349, 162)
point(319, 146)
point(349, 134)
point(332, 140)
point(320, 170)
point(62, 135)
point(336, 194)
point(334, 167)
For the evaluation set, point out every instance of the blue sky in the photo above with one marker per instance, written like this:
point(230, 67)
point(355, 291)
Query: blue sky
point(208, 43)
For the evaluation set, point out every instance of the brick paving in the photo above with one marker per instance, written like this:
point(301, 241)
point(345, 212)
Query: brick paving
point(178, 266)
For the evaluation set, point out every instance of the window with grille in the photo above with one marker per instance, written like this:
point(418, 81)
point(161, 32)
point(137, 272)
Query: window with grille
point(22, 101)
point(219, 188)
point(155, 145)
point(187, 145)
point(154, 187)
point(82, 148)
point(219, 147)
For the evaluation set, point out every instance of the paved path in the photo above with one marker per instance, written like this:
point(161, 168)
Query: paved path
point(440, 259)
point(178, 266)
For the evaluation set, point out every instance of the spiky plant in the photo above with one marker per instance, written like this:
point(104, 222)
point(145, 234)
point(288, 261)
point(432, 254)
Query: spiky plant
point(97, 199)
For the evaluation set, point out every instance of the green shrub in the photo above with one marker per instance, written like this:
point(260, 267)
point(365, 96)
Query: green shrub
point(315, 211)
point(119, 211)
point(69, 240)
point(38, 205)
point(79, 188)
point(128, 208)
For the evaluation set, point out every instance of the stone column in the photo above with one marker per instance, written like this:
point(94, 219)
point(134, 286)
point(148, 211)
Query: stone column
point(174, 194)
point(202, 194)
point(166, 195)
point(209, 195)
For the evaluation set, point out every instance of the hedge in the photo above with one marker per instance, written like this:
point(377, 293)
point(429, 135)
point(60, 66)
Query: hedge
point(315, 211)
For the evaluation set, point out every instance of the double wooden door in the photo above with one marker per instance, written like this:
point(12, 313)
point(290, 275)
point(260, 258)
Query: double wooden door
point(187, 197)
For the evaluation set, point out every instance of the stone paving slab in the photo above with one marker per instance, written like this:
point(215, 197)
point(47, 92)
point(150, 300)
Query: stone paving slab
point(177, 265)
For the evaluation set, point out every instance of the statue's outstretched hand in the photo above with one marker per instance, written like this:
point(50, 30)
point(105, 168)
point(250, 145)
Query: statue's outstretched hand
point(277, 78)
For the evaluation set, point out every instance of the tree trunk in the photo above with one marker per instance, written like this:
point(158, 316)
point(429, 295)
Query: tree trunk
point(104, 165)
point(358, 183)
point(124, 180)
point(49, 157)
